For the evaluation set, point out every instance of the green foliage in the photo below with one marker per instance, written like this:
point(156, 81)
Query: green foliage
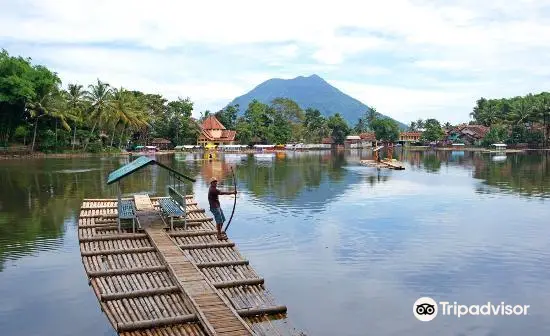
point(536, 137)
point(31, 99)
point(315, 126)
point(515, 113)
point(284, 121)
point(360, 127)
point(339, 128)
point(21, 132)
point(432, 131)
point(518, 134)
point(386, 130)
point(228, 116)
point(95, 147)
point(496, 134)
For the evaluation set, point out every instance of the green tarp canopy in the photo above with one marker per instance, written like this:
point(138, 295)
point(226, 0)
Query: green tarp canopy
point(136, 165)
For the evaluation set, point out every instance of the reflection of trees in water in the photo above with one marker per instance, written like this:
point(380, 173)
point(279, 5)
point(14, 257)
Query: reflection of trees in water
point(431, 162)
point(527, 174)
point(35, 202)
point(38, 196)
point(290, 178)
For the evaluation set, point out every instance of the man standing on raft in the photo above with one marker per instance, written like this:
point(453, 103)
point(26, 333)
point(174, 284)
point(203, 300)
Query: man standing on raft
point(215, 208)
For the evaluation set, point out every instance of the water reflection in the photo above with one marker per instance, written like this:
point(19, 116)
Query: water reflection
point(367, 239)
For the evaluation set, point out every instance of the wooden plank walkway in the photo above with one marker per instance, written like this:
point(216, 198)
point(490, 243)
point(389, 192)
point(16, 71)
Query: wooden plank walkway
point(180, 282)
point(215, 314)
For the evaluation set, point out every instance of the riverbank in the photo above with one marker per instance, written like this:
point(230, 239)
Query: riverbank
point(469, 149)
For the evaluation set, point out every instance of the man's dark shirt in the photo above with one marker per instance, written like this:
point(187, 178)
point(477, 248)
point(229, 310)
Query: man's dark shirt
point(213, 198)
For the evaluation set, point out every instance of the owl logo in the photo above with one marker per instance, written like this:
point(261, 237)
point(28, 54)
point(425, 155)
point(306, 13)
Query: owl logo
point(425, 309)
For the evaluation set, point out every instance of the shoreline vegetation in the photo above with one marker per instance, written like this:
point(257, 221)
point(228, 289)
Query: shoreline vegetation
point(40, 155)
point(47, 120)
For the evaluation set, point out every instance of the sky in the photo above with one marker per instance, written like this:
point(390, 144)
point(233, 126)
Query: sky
point(410, 59)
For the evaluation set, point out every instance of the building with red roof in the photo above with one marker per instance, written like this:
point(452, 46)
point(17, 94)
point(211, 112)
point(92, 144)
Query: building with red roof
point(213, 132)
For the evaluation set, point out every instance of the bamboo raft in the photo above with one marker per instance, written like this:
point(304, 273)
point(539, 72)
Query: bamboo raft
point(396, 165)
point(158, 281)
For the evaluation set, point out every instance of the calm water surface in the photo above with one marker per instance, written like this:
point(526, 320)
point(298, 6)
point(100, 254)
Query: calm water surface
point(347, 248)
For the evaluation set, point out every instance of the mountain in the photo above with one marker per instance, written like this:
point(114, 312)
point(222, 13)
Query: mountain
point(312, 91)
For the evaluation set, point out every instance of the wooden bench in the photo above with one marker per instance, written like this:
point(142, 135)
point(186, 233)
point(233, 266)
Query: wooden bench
point(126, 213)
point(173, 206)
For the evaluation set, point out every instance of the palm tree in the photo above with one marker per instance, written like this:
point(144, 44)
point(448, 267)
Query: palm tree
point(99, 96)
point(75, 102)
point(542, 111)
point(522, 112)
point(489, 114)
point(447, 125)
point(126, 111)
point(420, 124)
point(370, 116)
point(412, 126)
point(47, 103)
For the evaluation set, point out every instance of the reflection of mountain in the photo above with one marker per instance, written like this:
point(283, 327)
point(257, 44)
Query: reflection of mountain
point(527, 174)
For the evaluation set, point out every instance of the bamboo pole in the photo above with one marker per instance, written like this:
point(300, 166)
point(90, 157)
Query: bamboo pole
point(222, 263)
point(161, 322)
point(205, 246)
point(191, 233)
point(235, 283)
point(262, 311)
point(114, 236)
point(117, 251)
point(125, 271)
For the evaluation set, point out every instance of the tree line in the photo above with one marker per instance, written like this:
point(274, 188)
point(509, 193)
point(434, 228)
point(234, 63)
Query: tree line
point(36, 111)
point(282, 121)
point(521, 119)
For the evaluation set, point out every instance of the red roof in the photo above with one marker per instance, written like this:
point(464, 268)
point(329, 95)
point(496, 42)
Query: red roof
point(369, 136)
point(478, 131)
point(227, 135)
point(327, 140)
point(411, 134)
point(212, 123)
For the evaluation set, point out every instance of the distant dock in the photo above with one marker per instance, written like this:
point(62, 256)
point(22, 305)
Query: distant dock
point(163, 281)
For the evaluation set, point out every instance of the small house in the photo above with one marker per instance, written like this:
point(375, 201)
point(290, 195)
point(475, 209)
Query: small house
point(161, 143)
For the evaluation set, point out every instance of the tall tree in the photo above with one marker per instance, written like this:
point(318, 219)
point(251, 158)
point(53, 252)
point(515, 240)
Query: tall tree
point(370, 116)
point(289, 110)
point(99, 97)
point(46, 98)
point(315, 126)
point(339, 128)
point(386, 130)
point(75, 104)
point(360, 127)
point(228, 116)
point(432, 131)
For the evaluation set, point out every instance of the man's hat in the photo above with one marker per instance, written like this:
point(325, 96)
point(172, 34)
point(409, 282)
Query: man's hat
point(213, 179)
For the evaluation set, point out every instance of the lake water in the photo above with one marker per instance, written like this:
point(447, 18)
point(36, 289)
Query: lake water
point(347, 248)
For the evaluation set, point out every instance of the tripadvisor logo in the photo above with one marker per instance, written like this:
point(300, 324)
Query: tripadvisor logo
point(426, 309)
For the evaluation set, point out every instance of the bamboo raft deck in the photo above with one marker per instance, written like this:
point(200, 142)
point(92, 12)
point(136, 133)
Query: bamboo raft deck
point(158, 281)
point(396, 165)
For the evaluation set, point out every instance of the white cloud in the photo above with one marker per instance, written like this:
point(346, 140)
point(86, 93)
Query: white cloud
point(215, 50)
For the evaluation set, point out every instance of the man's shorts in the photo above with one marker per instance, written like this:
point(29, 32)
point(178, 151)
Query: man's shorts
point(218, 215)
